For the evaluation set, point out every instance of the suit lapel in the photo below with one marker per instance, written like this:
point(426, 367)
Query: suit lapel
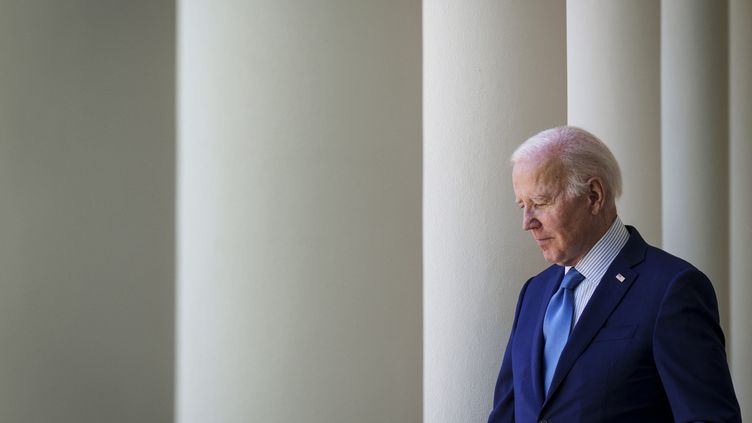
point(537, 360)
point(605, 299)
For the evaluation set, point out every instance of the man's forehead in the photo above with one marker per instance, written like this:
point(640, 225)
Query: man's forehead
point(536, 180)
point(538, 172)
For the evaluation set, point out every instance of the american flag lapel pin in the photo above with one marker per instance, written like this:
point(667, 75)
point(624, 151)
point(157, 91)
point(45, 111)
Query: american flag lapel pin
point(620, 278)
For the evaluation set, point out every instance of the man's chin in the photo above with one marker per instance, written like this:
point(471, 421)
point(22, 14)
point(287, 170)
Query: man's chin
point(552, 258)
point(549, 258)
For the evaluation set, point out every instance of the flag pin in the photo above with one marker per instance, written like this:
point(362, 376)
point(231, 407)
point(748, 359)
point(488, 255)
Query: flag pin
point(620, 277)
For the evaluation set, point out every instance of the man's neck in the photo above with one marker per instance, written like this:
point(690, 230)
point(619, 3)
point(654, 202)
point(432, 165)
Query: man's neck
point(604, 226)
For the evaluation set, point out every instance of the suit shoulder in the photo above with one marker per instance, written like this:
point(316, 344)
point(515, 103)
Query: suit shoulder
point(665, 269)
point(667, 262)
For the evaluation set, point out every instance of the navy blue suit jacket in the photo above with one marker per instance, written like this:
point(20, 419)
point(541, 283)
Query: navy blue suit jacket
point(647, 348)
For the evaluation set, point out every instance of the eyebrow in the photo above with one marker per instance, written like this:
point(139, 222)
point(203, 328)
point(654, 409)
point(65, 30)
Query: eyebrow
point(537, 198)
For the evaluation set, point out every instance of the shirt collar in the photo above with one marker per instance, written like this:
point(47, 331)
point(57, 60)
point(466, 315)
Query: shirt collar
point(596, 262)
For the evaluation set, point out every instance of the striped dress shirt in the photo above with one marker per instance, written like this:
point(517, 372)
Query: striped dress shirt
point(595, 263)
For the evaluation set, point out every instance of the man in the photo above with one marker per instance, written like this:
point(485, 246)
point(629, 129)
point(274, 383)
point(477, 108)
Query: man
point(631, 333)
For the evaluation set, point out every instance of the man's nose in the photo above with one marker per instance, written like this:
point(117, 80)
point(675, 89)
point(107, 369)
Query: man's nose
point(529, 220)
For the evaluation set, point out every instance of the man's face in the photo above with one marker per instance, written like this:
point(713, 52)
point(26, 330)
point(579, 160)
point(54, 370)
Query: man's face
point(561, 226)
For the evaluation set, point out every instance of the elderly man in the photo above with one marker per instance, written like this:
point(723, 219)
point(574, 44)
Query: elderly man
point(615, 330)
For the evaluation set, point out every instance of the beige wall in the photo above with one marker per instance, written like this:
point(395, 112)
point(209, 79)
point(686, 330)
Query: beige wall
point(86, 216)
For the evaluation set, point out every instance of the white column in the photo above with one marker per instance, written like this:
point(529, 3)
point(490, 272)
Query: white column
point(613, 80)
point(695, 137)
point(86, 217)
point(494, 74)
point(740, 91)
point(299, 246)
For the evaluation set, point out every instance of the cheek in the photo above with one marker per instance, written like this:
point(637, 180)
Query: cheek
point(556, 224)
point(574, 230)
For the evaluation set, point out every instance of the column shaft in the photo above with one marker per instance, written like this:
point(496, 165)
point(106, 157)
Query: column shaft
point(87, 146)
point(740, 92)
point(694, 160)
point(299, 212)
point(494, 74)
point(613, 80)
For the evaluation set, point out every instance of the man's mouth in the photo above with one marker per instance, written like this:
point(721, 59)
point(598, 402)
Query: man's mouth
point(541, 241)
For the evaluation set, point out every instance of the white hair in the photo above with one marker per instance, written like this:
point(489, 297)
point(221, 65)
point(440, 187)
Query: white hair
point(581, 155)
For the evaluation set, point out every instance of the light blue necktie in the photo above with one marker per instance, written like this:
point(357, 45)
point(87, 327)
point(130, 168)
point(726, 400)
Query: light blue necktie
point(558, 322)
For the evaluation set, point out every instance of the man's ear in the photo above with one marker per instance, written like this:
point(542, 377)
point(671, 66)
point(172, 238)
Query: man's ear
point(596, 195)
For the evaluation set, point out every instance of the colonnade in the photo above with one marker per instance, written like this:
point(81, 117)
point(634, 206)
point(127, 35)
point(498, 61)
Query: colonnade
point(653, 81)
point(308, 216)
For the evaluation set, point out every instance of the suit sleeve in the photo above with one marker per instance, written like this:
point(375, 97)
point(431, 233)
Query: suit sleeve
point(689, 351)
point(503, 402)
